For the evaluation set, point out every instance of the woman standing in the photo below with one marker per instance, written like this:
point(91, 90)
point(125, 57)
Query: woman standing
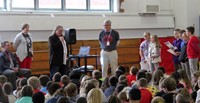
point(58, 52)
point(24, 47)
point(154, 53)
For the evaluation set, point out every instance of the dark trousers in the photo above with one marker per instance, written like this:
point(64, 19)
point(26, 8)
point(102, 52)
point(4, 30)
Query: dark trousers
point(62, 69)
point(177, 66)
point(12, 75)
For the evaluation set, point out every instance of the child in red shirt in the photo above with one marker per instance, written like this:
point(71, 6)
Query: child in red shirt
point(145, 93)
point(132, 76)
point(193, 50)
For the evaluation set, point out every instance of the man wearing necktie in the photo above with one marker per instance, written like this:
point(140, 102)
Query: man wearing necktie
point(9, 65)
point(109, 40)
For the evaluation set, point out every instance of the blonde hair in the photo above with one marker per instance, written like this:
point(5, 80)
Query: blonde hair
point(122, 96)
point(60, 92)
point(156, 40)
point(196, 74)
point(34, 82)
point(96, 82)
point(94, 96)
point(185, 35)
point(184, 97)
point(57, 27)
point(158, 100)
point(147, 33)
point(71, 90)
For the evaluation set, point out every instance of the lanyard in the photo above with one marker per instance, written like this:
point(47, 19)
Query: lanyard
point(27, 39)
point(109, 35)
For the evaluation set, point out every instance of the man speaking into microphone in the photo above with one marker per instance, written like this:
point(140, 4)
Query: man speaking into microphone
point(58, 52)
point(109, 40)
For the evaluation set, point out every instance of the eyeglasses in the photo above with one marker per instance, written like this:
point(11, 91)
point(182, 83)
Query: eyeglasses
point(106, 25)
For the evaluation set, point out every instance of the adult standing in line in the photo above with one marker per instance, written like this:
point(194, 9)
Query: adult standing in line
point(58, 52)
point(23, 45)
point(144, 49)
point(109, 40)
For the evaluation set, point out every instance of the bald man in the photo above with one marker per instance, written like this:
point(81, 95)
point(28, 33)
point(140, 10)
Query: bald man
point(109, 40)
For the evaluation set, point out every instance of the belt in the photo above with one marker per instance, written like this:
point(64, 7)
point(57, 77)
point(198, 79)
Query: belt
point(108, 50)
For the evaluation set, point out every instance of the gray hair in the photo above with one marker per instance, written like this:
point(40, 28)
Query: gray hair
point(56, 28)
point(107, 22)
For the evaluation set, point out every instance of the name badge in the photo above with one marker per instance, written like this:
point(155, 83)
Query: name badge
point(30, 49)
point(108, 43)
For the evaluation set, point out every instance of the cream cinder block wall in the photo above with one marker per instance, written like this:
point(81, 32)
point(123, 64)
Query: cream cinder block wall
point(193, 14)
point(186, 13)
point(88, 25)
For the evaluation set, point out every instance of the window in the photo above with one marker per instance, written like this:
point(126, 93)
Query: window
point(62, 5)
point(50, 4)
point(2, 4)
point(76, 4)
point(23, 4)
point(100, 4)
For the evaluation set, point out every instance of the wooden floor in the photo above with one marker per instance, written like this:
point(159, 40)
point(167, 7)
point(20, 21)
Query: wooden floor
point(128, 54)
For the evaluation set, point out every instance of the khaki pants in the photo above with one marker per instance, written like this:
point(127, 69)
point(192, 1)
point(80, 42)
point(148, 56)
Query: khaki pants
point(193, 62)
point(186, 67)
point(199, 64)
point(106, 59)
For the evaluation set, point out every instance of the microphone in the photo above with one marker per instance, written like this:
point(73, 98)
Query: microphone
point(60, 35)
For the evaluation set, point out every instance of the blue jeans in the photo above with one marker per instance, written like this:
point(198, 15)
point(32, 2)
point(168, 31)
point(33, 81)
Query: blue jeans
point(154, 67)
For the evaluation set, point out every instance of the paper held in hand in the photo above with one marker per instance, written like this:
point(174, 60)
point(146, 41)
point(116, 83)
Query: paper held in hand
point(144, 66)
point(169, 45)
point(171, 51)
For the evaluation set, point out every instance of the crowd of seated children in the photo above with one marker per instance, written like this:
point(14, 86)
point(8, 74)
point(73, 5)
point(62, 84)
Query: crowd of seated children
point(166, 89)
